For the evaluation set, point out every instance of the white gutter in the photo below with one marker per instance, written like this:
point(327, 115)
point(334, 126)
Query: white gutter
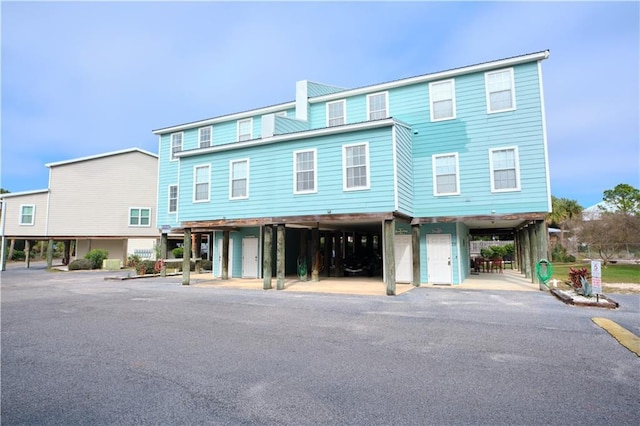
point(435, 76)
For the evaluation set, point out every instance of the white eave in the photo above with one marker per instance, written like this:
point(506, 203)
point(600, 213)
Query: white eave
point(435, 76)
point(324, 131)
point(223, 118)
point(24, 193)
point(107, 154)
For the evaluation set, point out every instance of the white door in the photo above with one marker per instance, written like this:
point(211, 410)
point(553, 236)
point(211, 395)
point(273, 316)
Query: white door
point(250, 257)
point(439, 262)
point(220, 258)
point(404, 258)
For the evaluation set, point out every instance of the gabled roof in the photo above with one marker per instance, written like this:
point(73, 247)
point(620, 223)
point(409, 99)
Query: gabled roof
point(107, 154)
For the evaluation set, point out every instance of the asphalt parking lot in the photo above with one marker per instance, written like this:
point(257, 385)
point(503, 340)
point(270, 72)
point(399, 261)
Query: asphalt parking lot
point(78, 349)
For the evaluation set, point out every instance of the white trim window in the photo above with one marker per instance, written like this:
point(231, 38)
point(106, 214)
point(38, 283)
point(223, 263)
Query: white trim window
point(176, 144)
point(442, 100)
point(139, 216)
point(173, 199)
point(239, 179)
point(245, 129)
point(445, 174)
point(304, 171)
point(355, 166)
point(505, 169)
point(27, 214)
point(377, 106)
point(501, 91)
point(336, 113)
point(204, 137)
point(201, 181)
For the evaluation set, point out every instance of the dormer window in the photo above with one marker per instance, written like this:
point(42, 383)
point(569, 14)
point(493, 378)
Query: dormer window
point(336, 113)
point(245, 129)
point(176, 144)
point(377, 106)
point(204, 137)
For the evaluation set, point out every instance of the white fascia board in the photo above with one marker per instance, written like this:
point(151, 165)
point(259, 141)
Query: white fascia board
point(106, 154)
point(324, 131)
point(224, 118)
point(435, 76)
point(23, 193)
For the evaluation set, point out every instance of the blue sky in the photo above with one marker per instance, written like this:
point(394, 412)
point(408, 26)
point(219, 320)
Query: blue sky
point(84, 78)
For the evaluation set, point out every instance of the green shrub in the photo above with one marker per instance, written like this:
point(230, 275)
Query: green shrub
point(191, 268)
point(178, 252)
point(133, 260)
point(79, 264)
point(17, 255)
point(559, 254)
point(146, 267)
point(207, 265)
point(96, 256)
point(509, 249)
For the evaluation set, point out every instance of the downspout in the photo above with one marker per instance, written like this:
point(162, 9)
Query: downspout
point(544, 135)
point(395, 168)
point(3, 262)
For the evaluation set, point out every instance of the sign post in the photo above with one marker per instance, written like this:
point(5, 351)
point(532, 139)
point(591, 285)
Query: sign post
point(596, 278)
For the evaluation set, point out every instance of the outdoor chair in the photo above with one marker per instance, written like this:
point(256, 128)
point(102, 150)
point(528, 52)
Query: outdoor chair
point(496, 265)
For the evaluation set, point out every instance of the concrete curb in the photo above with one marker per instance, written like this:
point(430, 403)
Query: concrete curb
point(621, 334)
point(603, 302)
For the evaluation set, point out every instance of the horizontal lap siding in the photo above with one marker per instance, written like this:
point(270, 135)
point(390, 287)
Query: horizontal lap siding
point(93, 197)
point(356, 110)
point(404, 170)
point(472, 134)
point(271, 180)
point(12, 213)
point(168, 175)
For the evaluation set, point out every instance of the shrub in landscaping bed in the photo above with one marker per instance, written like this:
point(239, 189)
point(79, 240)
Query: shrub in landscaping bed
point(96, 256)
point(80, 264)
point(146, 267)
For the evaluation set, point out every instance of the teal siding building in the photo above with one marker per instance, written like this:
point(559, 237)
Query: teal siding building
point(392, 180)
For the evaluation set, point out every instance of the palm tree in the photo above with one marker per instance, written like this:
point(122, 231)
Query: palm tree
point(563, 211)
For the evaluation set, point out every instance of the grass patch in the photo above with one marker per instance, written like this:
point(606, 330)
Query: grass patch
point(612, 273)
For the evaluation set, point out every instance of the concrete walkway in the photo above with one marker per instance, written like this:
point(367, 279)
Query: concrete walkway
point(510, 280)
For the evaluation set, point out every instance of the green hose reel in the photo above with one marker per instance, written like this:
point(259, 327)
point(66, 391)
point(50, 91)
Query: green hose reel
point(302, 268)
point(544, 271)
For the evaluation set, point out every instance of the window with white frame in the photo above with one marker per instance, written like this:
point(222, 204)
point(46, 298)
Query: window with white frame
point(27, 214)
point(245, 131)
point(204, 137)
point(176, 144)
point(139, 216)
point(501, 91)
point(442, 96)
point(201, 178)
point(238, 179)
point(377, 106)
point(445, 174)
point(355, 160)
point(336, 113)
point(505, 169)
point(173, 198)
point(304, 172)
